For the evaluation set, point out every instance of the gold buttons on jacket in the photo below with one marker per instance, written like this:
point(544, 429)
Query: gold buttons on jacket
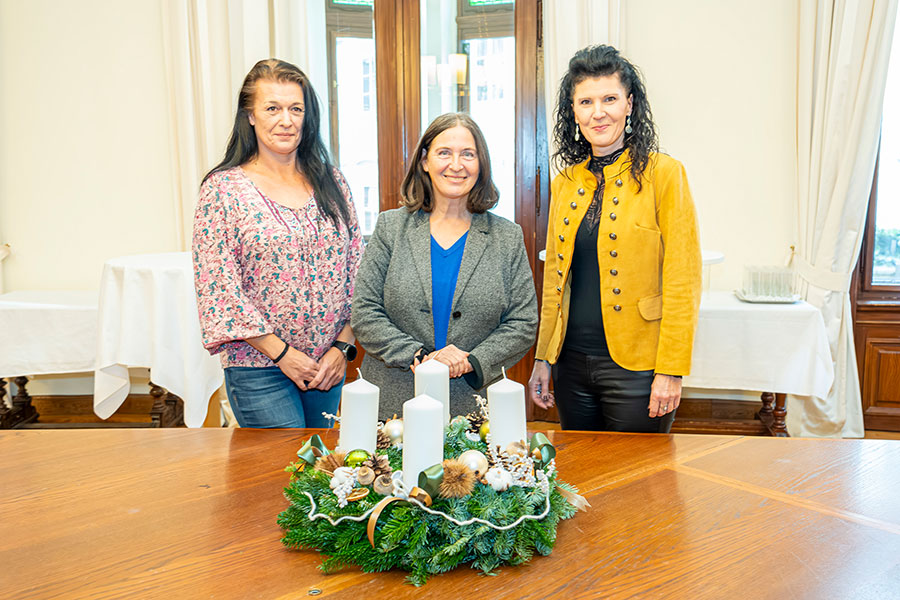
point(613, 253)
point(581, 191)
point(566, 220)
point(617, 291)
point(612, 216)
point(562, 238)
point(558, 289)
point(619, 182)
point(558, 272)
point(560, 256)
point(573, 205)
point(617, 308)
point(612, 236)
point(613, 272)
point(615, 200)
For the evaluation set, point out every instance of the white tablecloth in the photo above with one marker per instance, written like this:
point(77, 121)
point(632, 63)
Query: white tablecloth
point(46, 332)
point(780, 348)
point(148, 318)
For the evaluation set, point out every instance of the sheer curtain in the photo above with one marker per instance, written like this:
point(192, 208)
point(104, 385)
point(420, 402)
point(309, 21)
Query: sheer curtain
point(210, 45)
point(570, 25)
point(843, 51)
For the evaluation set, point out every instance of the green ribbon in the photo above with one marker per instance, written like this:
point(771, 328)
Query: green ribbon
point(542, 444)
point(308, 451)
point(430, 479)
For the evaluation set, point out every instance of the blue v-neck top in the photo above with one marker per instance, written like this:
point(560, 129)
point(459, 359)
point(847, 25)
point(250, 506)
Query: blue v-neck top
point(445, 264)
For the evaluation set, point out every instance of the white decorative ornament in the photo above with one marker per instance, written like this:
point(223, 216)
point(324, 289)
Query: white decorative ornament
point(499, 479)
point(394, 430)
point(475, 460)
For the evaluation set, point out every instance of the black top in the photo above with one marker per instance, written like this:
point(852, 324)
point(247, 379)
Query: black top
point(585, 332)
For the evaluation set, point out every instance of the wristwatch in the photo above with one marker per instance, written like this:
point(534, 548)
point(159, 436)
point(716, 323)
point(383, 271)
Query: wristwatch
point(348, 350)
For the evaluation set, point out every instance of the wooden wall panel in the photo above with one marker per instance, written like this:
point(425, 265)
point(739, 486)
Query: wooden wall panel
point(877, 332)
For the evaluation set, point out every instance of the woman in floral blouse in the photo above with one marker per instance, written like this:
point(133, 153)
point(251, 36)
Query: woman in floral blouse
point(276, 250)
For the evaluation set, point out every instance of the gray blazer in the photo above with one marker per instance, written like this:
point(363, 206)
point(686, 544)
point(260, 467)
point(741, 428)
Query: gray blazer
point(493, 316)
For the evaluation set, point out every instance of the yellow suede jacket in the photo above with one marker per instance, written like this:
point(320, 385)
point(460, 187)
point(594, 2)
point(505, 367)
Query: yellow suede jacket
point(650, 263)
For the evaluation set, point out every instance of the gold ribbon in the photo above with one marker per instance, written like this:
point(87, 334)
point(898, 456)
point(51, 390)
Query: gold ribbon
point(313, 449)
point(542, 451)
point(417, 493)
point(574, 499)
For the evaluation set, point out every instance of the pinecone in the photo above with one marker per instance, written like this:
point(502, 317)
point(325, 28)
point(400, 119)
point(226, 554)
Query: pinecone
point(382, 441)
point(379, 464)
point(475, 420)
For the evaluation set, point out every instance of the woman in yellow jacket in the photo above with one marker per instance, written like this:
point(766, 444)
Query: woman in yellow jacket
point(622, 275)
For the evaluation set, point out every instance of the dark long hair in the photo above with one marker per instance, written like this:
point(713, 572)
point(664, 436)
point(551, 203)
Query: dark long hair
point(602, 61)
point(416, 192)
point(311, 156)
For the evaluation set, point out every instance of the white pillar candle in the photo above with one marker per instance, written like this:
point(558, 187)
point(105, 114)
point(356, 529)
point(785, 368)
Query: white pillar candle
point(433, 378)
point(359, 416)
point(423, 437)
point(506, 411)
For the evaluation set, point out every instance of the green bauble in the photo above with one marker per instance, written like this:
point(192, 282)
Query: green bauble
point(355, 458)
point(484, 430)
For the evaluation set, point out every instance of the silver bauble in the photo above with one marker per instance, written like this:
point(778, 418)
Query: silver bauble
point(394, 430)
point(475, 460)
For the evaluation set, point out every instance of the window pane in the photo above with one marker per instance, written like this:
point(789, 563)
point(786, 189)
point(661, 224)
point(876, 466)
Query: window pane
point(352, 103)
point(886, 262)
point(471, 68)
point(357, 130)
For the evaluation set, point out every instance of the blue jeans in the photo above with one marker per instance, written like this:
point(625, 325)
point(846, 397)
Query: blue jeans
point(266, 397)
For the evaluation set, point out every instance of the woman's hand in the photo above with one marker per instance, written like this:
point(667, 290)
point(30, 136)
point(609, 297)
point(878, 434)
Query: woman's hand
point(453, 357)
point(665, 395)
point(299, 367)
point(539, 385)
point(332, 367)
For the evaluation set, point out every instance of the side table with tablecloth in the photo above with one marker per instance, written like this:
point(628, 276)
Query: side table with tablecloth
point(148, 318)
point(43, 333)
point(776, 348)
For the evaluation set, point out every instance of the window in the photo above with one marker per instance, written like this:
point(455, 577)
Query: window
point(352, 101)
point(480, 56)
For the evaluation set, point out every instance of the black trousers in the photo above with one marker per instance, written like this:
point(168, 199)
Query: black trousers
point(593, 393)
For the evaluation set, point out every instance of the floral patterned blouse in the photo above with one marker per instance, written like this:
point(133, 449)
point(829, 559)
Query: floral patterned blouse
point(260, 267)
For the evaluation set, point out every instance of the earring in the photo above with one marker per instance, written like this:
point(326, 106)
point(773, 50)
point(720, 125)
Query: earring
point(577, 132)
point(628, 124)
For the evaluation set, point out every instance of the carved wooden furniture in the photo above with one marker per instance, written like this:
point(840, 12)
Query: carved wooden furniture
point(181, 513)
point(148, 318)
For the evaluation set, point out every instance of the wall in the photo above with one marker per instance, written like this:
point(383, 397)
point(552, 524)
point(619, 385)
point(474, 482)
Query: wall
point(84, 167)
point(721, 79)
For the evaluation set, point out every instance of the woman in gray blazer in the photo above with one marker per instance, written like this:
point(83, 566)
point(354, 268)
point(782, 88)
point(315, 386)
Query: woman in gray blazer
point(443, 279)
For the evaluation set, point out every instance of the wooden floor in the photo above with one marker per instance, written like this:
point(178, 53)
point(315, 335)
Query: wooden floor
point(183, 513)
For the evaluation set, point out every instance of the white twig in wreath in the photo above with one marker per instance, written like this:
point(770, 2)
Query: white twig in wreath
point(313, 515)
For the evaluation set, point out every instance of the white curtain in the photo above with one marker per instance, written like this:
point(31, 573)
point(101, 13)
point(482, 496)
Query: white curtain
point(843, 52)
point(570, 25)
point(210, 45)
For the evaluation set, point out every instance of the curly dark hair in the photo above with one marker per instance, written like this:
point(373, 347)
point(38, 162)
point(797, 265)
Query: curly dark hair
point(602, 61)
point(416, 192)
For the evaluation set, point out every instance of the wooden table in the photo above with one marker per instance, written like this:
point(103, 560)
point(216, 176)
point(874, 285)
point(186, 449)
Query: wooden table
point(191, 514)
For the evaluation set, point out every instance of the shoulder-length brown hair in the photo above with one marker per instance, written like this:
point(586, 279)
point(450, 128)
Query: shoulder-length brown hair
point(416, 192)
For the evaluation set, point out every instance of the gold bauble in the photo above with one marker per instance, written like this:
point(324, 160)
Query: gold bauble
point(394, 430)
point(484, 430)
point(475, 460)
point(355, 458)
